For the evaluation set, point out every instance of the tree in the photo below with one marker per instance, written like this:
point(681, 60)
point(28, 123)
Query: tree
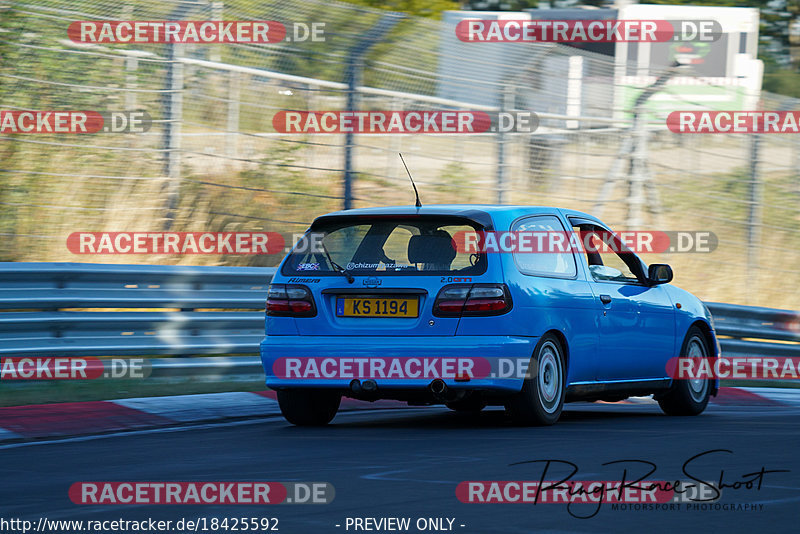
point(417, 8)
point(499, 5)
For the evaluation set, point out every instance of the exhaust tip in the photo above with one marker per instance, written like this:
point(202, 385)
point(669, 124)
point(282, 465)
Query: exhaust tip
point(369, 386)
point(438, 387)
point(355, 385)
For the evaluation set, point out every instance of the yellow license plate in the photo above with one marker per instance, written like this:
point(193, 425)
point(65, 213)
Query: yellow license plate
point(377, 307)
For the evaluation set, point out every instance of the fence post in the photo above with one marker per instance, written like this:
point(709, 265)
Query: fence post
point(637, 174)
point(753, 218)
point(232, 133)
point(173, 118)
point(395, 143)
point(506, 104)
point(355, 68)
point(172, 129)
point(574, 90)
point(131, 66)
point(217, 9)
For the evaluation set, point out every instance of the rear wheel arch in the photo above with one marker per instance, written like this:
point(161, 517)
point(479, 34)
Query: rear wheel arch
point(564, 347)
point(543, 392)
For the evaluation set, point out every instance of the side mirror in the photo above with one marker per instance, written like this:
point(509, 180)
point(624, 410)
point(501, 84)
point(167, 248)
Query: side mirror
point(659, 273)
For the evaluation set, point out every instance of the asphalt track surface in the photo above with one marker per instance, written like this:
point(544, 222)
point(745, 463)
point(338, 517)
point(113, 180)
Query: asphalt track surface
point(408, 462)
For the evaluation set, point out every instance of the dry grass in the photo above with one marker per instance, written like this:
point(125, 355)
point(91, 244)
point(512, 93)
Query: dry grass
point(281, 186)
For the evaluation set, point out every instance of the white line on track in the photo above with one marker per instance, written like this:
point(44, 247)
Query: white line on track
point(187, 427)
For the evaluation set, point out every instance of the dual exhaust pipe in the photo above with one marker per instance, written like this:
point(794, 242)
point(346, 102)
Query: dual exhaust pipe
point(368, 387)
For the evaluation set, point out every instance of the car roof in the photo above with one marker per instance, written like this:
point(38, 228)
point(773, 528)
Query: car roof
point(465, 210)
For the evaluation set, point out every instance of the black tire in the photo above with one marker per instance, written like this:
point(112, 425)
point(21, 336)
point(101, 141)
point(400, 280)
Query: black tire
point(472, 403)
point(689, 397)
point(542, 397)
point(308, 407)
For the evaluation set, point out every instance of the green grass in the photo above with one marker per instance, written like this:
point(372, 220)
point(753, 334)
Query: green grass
point(43, 392)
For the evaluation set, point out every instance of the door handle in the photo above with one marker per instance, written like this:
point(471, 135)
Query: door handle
point(605, 299)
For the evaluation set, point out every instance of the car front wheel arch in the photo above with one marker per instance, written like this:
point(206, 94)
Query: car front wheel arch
point(711, 343)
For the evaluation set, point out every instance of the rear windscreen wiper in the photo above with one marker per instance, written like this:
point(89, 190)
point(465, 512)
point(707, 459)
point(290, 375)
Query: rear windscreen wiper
point(338, 268)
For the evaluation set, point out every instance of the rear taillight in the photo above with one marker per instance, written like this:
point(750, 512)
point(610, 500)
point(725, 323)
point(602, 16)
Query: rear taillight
point(290, 301)
point(472, 299)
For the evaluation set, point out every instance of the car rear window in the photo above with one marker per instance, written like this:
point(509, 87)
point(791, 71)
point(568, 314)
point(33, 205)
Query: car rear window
point(389, 246)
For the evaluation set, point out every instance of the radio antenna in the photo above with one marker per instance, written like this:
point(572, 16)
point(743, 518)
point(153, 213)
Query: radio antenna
point(416, 193)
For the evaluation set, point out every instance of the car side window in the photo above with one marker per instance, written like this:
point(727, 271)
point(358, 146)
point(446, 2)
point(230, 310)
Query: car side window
point(556, 264)
point(605, 255)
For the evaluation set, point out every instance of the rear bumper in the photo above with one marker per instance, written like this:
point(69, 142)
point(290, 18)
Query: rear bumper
point(510, 349)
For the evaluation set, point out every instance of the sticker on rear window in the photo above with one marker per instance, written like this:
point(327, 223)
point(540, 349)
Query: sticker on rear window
point(308, 267)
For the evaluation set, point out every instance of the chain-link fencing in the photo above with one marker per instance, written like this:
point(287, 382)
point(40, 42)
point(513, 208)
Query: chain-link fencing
point(213, 160)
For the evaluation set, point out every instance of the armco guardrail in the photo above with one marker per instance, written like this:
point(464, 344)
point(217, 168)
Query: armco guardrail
point(753, 331)
point(84, 309)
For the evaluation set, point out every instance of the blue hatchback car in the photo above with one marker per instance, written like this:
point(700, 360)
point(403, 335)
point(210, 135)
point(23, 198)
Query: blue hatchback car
point(391, 303)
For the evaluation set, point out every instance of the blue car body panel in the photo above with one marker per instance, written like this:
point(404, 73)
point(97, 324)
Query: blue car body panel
point(491, 346)
point(628, 340)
